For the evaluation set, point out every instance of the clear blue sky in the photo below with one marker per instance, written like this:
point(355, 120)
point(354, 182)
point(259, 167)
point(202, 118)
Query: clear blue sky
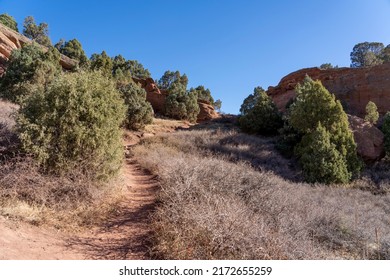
point(228, 46)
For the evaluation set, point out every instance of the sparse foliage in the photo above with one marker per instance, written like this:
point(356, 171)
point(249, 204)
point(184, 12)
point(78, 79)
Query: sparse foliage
point(74, 124)
point(9, 21)
point(38, 33)
point(218, 105)
point(259, 114)
point(325, 66)
point(385, 56)
point(372, 114)
point(366, 54)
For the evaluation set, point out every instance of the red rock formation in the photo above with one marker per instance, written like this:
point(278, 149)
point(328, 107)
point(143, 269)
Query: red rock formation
point(154, 95)
point(157, 97)
point(368, 138)
point(11, 40)
point(354, 87)
point(207, 112)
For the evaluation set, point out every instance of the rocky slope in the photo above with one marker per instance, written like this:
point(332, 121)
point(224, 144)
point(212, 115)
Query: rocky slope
point(11, 40)
point(354, 87)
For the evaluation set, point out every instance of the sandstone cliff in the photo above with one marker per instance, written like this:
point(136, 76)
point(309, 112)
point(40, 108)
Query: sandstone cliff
point(11, 40)
point(354, 87)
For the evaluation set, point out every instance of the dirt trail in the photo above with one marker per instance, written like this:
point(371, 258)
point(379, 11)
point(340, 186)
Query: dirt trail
point(125, 235)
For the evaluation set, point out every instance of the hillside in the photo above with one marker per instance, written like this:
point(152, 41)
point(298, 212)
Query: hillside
point(99, 160)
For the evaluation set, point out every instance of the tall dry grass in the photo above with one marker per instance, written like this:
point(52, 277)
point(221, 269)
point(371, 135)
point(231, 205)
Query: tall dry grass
point(220, 199)
point(70, 202)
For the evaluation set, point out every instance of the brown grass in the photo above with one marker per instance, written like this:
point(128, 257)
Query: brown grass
point(226, 195)
point(66, 202)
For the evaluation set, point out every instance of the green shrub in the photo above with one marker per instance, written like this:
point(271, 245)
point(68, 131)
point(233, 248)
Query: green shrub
point(314, 104)
point(204, 94)
point(386, 132)
point(182, 105)
point(9, 21)
point(28, 66)
point(139, 111)
point(259, 114)
point(101, 62)
point(74, 123)
point(320, 160)
point(372, 114)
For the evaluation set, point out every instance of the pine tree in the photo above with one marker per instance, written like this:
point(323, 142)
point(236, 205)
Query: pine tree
point(321, 161)
point(314, 104)
point(38, 33)
point(259, 114)
point(372, 114)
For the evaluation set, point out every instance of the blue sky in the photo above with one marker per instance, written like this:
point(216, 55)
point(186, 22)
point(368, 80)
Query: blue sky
point(228, 46)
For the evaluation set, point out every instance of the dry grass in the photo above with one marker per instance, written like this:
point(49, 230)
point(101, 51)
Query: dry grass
point(69, 202)
point(165, 125)
point(220, 199)
point(66, 202)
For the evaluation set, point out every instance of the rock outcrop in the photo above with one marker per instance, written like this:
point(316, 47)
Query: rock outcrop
point(368, 138)
point(354, 87)
point(157, 97)
point(154, 95)
point(11, 40)
point(207, 111)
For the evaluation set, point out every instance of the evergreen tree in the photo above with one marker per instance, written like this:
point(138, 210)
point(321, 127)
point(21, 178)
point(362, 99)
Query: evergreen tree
point(372, 114)
point(217, 105)
point(314, 104)
point(181, 104)
point(259, 114)
point(38, 33)
point(321, 161)
point(366, 54)
point(139, 111)
point(103, 63)
point(172, 79)
point(74, 50)
point(203, 94)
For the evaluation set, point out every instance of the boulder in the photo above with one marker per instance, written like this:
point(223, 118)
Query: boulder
point(354, 87)
point(207, 111)
point(368, 138)
point(11, 40)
